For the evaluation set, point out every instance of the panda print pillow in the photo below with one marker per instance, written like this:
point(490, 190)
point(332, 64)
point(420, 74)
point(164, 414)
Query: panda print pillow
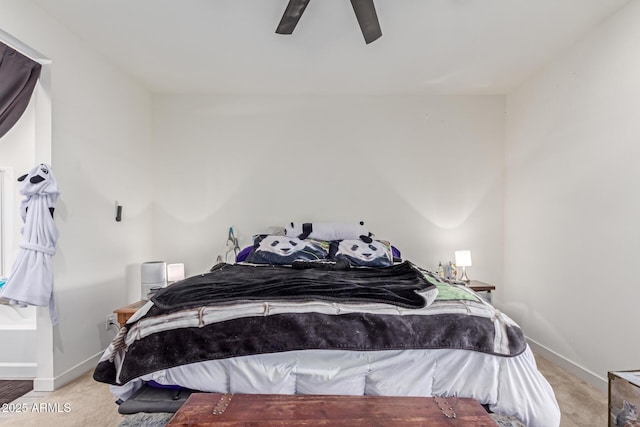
point(283, 250)
point(371, 253)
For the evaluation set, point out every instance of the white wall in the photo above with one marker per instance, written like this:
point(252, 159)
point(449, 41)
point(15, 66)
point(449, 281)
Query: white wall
point(422, 172)
point(100, 144)
point(572, 200)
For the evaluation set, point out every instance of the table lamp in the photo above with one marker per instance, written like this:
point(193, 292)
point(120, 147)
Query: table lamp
point(175, 272)
point(463, 259)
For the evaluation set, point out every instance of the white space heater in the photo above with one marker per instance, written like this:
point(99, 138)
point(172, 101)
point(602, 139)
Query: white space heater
point(154, 277)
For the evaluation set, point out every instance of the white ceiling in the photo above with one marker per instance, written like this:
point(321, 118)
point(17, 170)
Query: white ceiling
point(427, 47)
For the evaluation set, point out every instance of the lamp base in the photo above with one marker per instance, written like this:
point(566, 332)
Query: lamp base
point(463, 276)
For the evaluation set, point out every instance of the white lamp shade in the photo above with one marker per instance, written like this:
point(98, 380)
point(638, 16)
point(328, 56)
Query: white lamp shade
point(463, 258)
point(175, 272)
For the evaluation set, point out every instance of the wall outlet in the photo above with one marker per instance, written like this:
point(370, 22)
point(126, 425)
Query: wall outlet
point(112, 319)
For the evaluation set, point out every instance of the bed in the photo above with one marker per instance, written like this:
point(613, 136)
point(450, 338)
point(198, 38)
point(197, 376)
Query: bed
point(326, 324)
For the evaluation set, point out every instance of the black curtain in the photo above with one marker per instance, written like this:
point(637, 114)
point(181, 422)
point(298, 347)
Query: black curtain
point(18, 78)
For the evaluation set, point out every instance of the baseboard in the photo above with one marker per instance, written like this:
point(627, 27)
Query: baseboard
point(12, 371)
point(584, 374)
point(51, 384)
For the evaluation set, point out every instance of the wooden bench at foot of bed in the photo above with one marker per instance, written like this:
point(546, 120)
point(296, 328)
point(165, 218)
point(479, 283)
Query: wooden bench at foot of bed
point(235, 410)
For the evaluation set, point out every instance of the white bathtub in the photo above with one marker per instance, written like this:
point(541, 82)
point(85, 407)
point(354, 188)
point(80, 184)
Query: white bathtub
point(17, 342)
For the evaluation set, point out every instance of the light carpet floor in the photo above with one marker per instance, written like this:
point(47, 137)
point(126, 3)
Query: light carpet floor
point(85, 402)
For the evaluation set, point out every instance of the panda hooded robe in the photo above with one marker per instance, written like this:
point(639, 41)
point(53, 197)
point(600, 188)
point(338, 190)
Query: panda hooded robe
point(31, 279)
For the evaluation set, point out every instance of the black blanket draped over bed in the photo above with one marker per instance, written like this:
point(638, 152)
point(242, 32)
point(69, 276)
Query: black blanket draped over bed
point(226, 283)
point(300, 331)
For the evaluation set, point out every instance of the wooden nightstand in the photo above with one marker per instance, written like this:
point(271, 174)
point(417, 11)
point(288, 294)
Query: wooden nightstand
point(482, 287)
point(124, 313)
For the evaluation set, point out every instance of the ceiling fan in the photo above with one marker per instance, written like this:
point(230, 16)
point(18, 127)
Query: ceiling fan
point(365, 12)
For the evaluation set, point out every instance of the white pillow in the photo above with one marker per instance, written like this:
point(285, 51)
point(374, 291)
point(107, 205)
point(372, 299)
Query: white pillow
point(326, 230)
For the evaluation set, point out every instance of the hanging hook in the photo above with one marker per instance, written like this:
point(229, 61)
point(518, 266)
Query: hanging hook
point(118, 212)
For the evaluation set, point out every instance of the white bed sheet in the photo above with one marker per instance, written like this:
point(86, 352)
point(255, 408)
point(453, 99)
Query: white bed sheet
point(509, 385)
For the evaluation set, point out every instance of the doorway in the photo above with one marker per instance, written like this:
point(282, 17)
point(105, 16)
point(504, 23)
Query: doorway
point(27, 143)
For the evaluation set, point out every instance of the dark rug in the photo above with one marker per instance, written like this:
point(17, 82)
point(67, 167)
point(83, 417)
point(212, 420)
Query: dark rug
point(10, 390)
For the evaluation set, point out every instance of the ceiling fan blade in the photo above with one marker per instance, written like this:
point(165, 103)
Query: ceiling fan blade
point(291, 16)
point(368, 19)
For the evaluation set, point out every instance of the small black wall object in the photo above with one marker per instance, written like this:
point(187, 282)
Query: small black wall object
point(118, 213)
